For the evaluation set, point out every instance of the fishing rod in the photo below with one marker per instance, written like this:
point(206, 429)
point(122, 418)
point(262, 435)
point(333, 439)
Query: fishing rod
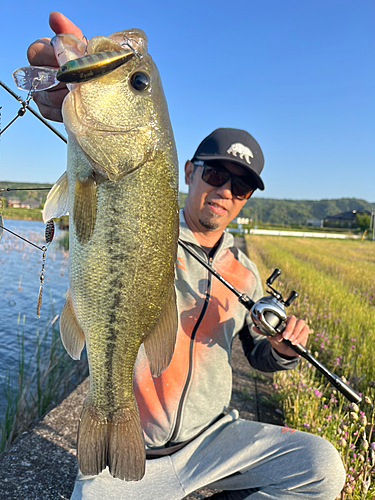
point(49, 234)
point(268, 315)
point(25, 189)
point(24, 107)
point(50, 228)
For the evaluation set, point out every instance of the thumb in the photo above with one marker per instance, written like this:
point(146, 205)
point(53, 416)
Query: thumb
point(61, 24)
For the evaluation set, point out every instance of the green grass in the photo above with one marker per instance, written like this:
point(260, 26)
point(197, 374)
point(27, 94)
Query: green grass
point(335, 280)
point(22, 213)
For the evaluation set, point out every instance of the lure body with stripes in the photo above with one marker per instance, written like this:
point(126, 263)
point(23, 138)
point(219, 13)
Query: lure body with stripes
point(92, 65)
point(120, 190)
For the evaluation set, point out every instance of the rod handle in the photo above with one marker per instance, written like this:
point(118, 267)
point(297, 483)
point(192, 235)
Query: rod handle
point(340, 385)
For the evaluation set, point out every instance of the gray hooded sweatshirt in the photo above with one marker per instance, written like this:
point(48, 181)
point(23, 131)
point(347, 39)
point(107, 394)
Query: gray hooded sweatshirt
point(196, 387)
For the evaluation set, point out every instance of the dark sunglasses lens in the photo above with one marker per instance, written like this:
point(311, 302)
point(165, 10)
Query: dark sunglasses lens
point(215, 176)
point(241, 189)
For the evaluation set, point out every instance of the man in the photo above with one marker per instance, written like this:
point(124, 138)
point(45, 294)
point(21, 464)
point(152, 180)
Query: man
point(191, 438)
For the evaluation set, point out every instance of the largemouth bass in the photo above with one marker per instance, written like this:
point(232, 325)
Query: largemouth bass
point(121, 192)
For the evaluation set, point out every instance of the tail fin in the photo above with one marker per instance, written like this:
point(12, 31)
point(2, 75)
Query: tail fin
point(117, 442)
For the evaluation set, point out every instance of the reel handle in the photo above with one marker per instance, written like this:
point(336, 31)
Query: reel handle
point(293, 295)
point(273, 276)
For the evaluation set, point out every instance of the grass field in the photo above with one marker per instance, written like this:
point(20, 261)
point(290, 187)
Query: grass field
point(336, 283)
point(22, 213)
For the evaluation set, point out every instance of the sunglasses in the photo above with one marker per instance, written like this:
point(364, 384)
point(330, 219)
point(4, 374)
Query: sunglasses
point(216, 175)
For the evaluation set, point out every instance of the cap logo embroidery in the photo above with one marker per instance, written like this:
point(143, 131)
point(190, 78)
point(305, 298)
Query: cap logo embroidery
point(241, 150)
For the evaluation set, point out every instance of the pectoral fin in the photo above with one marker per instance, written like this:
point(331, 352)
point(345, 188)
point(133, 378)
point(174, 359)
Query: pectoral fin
point(84, 209)
point(159, 344)
point(57, 200)
point(72, 336)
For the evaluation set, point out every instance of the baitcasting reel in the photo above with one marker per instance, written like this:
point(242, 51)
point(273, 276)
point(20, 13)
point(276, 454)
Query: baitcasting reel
point(268, 313)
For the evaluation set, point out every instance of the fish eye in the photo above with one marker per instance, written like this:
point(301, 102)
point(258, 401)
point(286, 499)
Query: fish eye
point(139, 81)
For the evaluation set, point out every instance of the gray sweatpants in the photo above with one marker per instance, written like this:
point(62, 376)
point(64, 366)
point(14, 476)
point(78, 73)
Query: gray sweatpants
point(233, 454)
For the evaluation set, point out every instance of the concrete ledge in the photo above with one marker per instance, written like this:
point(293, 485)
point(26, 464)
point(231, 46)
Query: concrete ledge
point(41, 463)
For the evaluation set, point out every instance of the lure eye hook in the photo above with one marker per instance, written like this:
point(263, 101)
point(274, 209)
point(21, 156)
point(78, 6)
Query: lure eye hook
point(126, 43)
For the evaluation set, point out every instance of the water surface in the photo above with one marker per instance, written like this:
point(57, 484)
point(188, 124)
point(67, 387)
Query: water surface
point(20, 266)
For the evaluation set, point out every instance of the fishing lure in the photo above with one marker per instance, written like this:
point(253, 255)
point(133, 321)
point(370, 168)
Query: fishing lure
point(49, 233)
point(92, 66)
point(82, 69)
point(35, 78)
point(129, 42)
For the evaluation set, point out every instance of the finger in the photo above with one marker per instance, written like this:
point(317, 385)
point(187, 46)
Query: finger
point(51, 98)
point(300, 333)
point(61, 24)
point(275, 343)
point(290, 325)
point(53, 114)
point(40, 53)
point(49, 103)
point(278, 338)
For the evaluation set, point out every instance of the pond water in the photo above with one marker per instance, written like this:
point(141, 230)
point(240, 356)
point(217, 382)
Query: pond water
point(20, 266)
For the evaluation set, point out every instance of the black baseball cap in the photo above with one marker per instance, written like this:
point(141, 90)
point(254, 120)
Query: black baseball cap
point(234, 145)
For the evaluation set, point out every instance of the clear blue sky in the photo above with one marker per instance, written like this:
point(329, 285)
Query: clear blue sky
point(298, 75)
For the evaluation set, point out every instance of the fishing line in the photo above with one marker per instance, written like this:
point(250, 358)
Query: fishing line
point(24, 239)
point(25, 189)
point(50, 228)
point(49, 234)
point(24, 107)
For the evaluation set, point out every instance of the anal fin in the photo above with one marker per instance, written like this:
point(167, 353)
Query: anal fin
point(84, 209)
point(72, 336)
point(159, 343)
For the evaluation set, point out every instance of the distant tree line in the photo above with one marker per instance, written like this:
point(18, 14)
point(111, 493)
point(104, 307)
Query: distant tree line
point(259, 210)
point(295, 212)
